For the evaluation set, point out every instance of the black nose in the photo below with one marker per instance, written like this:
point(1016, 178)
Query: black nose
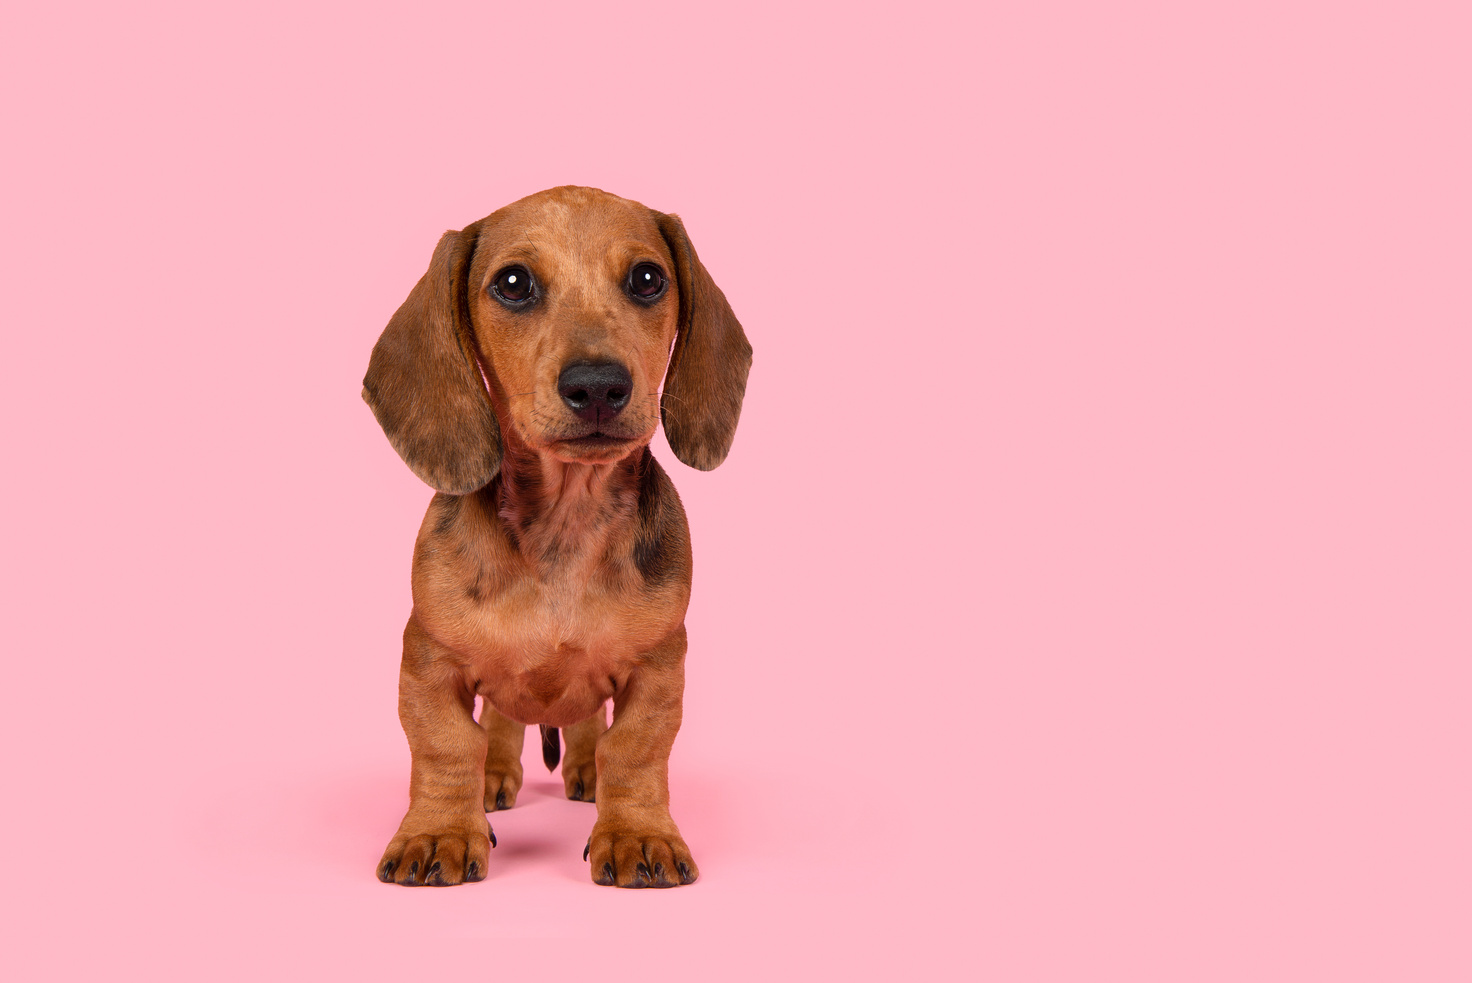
point(595, 392)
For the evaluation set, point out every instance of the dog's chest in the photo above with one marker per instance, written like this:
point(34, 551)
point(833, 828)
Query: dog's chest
point(545, 641)
point(531, 621)
point(549, 651)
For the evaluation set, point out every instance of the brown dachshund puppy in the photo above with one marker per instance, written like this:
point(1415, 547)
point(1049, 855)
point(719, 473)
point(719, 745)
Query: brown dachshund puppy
point(521, 379)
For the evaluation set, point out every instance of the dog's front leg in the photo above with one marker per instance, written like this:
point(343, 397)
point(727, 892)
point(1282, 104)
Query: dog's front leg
point(635, 843)
point(444, 838)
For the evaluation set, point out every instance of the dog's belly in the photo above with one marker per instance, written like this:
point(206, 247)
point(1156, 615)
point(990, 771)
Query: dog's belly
point(549, 653)
point(560, 691)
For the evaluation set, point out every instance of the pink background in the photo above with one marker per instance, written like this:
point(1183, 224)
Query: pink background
point(1086, 596)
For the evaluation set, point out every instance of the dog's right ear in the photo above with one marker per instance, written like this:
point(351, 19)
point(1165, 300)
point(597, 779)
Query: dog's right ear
point(424, 383)
point(709, 363)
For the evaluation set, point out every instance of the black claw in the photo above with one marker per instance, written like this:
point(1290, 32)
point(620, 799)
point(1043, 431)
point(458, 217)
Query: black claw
point(606, 875)
point(642, 872)
point(413, 871)
point(577, 791)
point(433, 874)
point(685, 872)
point(500, 800)
point(472, 871)
point(492, 834)
point(587, 847)
point(387, 873)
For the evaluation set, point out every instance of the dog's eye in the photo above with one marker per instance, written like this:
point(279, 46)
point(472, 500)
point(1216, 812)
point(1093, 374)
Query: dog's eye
point(513, 285)
point(646, 281)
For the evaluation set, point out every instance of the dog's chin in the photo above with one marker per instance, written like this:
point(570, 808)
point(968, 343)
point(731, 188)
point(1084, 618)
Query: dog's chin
point(595, 448)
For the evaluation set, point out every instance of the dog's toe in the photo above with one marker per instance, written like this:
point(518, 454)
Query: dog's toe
point(441, 860)
point(580, 780)
point(637, 860)
point(501, 790)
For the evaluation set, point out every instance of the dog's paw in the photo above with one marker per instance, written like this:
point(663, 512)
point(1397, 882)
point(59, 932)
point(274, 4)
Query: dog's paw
point(438, 859)
point(628, 858)
point(501, 789)
point(580, 779)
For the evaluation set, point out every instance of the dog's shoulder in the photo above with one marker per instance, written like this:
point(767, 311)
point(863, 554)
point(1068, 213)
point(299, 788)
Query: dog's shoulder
point(660, 549)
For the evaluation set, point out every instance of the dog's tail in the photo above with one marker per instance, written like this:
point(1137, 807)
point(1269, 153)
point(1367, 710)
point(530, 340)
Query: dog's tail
point(551, 746)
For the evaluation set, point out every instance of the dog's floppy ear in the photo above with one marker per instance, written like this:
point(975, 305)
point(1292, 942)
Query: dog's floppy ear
point(710, 362)
point(424, 383)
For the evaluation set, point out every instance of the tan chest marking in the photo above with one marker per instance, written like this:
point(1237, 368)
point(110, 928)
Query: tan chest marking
point(545, 623)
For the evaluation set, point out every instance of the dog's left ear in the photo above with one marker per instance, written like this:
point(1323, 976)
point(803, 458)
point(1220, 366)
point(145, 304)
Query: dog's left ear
point(708, 367)
point(424, 383)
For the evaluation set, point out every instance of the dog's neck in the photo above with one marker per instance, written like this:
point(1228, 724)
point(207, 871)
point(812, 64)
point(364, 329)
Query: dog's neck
point(550, 507)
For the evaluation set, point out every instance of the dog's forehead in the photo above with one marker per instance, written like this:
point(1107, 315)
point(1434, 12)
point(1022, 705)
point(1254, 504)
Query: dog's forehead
point(580, 220)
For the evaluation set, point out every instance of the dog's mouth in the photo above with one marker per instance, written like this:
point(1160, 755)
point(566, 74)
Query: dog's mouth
point(595, 439)
point(593, 448)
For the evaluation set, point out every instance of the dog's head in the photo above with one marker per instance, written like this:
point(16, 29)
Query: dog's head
point(569, 300)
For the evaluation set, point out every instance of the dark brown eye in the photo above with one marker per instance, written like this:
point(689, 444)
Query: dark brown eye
point(646, 281)
point(513, 285)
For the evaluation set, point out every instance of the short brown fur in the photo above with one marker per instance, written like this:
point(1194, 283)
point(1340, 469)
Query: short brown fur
point(552, 571)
